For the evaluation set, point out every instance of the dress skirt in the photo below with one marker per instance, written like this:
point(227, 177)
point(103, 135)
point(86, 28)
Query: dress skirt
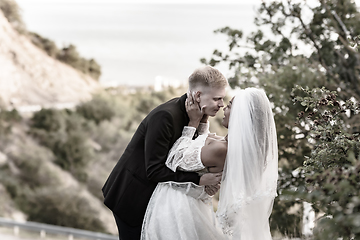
point(180, 211)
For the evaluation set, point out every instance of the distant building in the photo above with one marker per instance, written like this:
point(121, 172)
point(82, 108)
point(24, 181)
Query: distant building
point(162, 83)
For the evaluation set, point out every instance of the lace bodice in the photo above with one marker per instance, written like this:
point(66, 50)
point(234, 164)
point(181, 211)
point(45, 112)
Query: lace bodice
point(185, 153)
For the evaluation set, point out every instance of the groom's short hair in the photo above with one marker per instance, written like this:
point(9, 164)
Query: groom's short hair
point(207, 77)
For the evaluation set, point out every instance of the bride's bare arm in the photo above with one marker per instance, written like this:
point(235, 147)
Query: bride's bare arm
point(213, 135)
point(213, 156)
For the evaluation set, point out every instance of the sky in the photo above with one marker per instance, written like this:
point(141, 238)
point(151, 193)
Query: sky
point(142, 42)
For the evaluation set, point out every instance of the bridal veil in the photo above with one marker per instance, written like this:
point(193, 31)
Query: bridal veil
point(250, 173)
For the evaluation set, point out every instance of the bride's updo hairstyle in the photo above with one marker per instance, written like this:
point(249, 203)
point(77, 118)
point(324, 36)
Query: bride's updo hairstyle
point(250, 173)
point(207, 77)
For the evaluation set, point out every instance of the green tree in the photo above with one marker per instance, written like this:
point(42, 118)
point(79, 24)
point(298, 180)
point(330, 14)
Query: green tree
point(332, 170)
point(275, 59)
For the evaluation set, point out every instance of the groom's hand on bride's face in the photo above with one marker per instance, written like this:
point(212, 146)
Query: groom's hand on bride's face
point(210, 179)
point(194, 112)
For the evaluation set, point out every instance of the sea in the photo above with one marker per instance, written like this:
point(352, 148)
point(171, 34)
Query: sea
point(139, 44)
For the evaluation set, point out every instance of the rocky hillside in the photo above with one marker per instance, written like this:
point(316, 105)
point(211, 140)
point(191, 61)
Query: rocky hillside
point(31, 184)
point(28, 76)
point(34, 185)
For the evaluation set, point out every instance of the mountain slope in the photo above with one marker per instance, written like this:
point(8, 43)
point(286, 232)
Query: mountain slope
point(28, 175)
point(33, 186)
point(28, 76)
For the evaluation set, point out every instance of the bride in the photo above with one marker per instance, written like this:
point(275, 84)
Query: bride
point(248, 157)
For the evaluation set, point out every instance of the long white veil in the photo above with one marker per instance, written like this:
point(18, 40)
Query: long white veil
point(250, 173)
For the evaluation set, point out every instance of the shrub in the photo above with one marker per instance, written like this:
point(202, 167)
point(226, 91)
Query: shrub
point(93, 69)
point(98, 109)
point(31, 161)
point(61, 207)
point(32, 165)
point(7, 119)
point(62, 131)
point(147, 103)
point(332, 170)
point(108, 134)
point(50, 120)
point(75, 122)
point(70, 56)
point(10, 116)
point(11, 11)
point(13, 185)
point(44, 43)
point(73, 154)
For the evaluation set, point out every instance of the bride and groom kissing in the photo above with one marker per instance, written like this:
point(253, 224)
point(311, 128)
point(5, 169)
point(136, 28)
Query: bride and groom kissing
point(162, 186)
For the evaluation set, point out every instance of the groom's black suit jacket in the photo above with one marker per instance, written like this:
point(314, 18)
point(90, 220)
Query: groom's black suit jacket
point(128, 189)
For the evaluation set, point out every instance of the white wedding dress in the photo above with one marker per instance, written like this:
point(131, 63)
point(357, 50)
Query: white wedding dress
point(182, 211)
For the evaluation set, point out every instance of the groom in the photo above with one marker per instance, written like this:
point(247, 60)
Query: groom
point(131, 183)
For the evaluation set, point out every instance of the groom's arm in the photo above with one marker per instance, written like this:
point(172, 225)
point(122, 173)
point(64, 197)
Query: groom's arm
point(158, 138)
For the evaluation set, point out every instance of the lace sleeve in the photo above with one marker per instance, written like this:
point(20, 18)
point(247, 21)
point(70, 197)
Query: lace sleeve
point(185, 153)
